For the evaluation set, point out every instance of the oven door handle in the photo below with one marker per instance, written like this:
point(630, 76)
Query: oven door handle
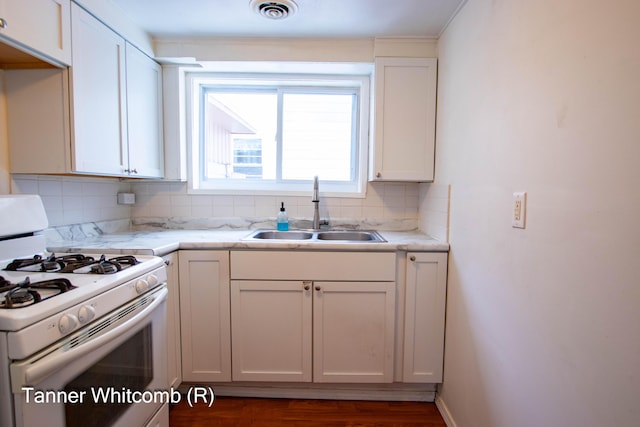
point(35, 369)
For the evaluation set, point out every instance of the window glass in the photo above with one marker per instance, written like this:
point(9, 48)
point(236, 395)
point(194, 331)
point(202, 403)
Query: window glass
point(318, 134)
point(272, 136)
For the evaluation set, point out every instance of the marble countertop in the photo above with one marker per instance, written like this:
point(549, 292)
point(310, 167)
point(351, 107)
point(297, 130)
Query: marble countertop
point(162, 242)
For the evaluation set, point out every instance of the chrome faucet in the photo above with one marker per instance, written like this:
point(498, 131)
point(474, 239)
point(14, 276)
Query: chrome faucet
point(316, 202)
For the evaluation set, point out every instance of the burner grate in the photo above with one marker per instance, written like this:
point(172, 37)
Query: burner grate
point(74, 263)
point(25, 293)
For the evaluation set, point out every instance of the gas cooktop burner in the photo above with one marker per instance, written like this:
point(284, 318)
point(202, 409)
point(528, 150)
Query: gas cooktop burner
point(75, 263)
point(25, 293)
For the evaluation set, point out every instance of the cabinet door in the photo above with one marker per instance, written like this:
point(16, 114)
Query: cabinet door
point(271, 330)
point(404, 127)
point(41, 26)
point(204, 315)
point(98, 96)
point(174, 364)
point(144, 109)
point(353, 331)
point(425, 303)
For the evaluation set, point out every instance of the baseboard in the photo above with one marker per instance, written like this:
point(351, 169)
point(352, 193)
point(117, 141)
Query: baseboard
point(423, 393)
point(444, 411)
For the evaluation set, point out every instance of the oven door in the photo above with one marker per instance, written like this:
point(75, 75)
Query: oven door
point(102, 375)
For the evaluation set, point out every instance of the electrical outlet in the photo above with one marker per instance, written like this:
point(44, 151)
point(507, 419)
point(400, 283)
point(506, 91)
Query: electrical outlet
point(519, 210)
point(126, 198)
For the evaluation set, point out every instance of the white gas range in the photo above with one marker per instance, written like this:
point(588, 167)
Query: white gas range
point(80, 334)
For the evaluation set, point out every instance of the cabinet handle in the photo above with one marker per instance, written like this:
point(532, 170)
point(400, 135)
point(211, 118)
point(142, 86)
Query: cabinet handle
point(318, 288)
point(378, 175)
point(131, 170)
point(412, 258)
point(3, 23)
point(307, 285)
point(167, 262)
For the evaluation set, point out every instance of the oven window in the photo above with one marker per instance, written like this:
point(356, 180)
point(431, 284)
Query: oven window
point(127, 368)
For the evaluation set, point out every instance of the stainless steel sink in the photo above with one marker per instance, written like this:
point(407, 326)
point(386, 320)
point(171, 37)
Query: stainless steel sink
point(353, 236)
point(280, 235)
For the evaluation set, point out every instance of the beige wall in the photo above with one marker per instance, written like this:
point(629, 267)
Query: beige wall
point(542, 96)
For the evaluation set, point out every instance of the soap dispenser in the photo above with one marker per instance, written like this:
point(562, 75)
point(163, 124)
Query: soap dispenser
point(282, 219)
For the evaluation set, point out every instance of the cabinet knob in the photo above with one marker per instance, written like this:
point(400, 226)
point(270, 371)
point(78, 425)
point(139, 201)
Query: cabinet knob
point(412, 258)
point(306, 285)
point(318, 288)
point(378, 175)
point(3, 23)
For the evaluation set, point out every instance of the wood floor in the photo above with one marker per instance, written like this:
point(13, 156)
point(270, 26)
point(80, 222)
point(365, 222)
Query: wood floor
point(234, 411)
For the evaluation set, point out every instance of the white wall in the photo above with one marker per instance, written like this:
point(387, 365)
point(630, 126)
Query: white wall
point(542, 96)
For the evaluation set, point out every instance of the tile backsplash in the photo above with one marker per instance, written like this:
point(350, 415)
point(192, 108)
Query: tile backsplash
point(434, 210)
point(384, 202)
point(74, 200)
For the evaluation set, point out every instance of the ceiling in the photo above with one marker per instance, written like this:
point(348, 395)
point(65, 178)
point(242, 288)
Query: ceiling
point(314, 18)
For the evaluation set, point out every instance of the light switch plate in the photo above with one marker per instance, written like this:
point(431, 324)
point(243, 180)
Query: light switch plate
point(519, 210)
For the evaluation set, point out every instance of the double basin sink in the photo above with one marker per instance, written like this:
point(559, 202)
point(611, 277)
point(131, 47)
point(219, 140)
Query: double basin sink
point(355, 236)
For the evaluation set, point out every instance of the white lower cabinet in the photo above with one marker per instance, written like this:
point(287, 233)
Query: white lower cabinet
point(174, 364)
point(353, 332)
point(356, 318)
point(271, 330)
point(204, 316)
point(426, 294)
point(287, 330)
point(320, 330)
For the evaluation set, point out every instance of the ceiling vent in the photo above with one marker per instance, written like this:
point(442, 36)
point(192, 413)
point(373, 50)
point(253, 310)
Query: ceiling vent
point(280, 9)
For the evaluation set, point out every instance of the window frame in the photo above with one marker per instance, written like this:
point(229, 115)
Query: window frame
point(196, 84)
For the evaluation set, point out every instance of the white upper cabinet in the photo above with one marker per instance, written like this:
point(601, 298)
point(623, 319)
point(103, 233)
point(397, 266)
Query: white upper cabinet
point(98, 80)
point(102, 116)
point(39, 27)
point(117, 103)
point(404, 124)
point(144, 115)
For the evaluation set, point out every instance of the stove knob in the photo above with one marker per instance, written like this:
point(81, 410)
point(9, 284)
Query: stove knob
point(141, 286)
point(152, 279)
point(67, 323)
point(86, 313)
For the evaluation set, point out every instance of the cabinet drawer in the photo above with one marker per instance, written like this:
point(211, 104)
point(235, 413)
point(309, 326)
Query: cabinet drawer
point(292, 265)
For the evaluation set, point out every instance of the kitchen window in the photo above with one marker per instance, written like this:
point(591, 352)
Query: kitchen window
point(272, 133)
